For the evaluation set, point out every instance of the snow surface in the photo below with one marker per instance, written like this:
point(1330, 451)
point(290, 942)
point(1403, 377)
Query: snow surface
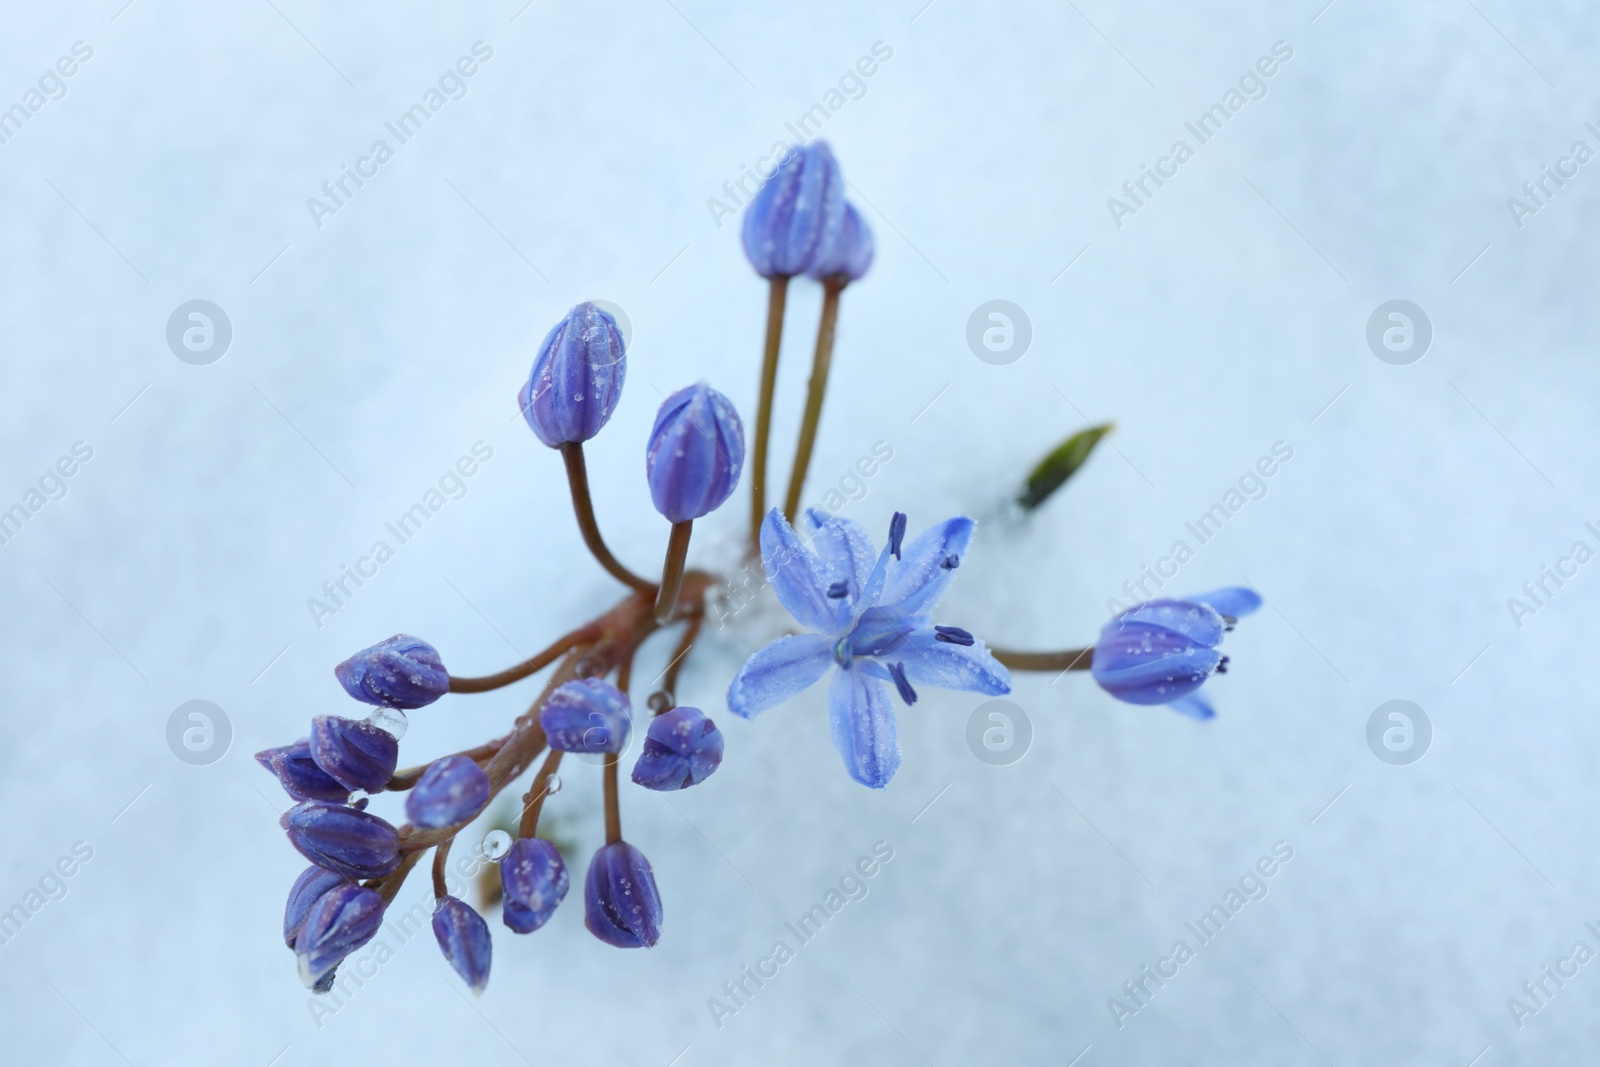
point(1226, 315)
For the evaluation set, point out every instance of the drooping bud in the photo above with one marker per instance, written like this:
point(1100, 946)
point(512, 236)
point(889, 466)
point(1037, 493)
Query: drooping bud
point(620, 903)
point(402, 672)
point(452, 790)
point(587, 715)
point(796, 214)
point(577, 377)
point(299, 774)
point(338, 923)
point(850, 253)
point(349, 842)
point(306, 891)
point(695, 454)
point(681, 748)
point(464, 939)
point(356, 754)
point(534, 879)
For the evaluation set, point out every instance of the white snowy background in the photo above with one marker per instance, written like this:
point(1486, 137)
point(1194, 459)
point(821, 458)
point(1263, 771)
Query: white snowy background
point(1227, 315)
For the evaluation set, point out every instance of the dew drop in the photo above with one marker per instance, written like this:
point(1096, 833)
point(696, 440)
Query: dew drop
point(359, 798)
point(553, 785)
point(391, 720)
point(496, 843)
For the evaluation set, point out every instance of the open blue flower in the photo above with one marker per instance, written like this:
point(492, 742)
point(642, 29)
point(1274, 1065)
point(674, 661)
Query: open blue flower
point(871, 621)
point(1162, 651)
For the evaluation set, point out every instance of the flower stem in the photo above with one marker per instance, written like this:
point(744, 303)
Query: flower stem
point(776, 297)
point(672, 571)
point(1071, 659)
point(669, 677)
point(819, 384)
point(440, 854)
point(613, 813)
point(532, 665)
point(403, 780)
point(583, 506)
point(536, 794)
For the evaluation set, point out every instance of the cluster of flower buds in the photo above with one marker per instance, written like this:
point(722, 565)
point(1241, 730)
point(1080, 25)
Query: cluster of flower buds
point(800, 223)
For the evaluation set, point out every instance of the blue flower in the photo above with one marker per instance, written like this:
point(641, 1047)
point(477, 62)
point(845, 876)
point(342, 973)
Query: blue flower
point(464, 939)
point(451, 791)
point(535, 880)
point(343, 840)
point(850, 253)
point(587, 715)
point(306, 891)
point(299, 774)
point(796, 214)
point(577, 377)
point(1162, 651)
point(681, 748)
point(355, 754)
point(695, 453)
point(620, 903)
point(337, 924)
point(401, 672)
point(871, 621)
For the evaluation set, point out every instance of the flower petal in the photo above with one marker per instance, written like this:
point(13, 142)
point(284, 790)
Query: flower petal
point(781, 670)
point(918, 579)
point(1198, 622)
point(862, 722)
point(846, 554)
point(1195, 705)
point(1235, 600)
point(797, 576)
point(967, 668)
point(1151, 665)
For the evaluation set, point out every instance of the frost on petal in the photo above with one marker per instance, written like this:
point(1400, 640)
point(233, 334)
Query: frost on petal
point(968, 668)
point(1235, 601)
point(846, 555)
point(781, 670)
point(862, 723)
point(797, 576)
point(917, 581)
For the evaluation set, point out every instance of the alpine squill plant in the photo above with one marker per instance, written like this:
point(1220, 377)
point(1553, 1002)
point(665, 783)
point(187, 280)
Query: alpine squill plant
point(867, 621)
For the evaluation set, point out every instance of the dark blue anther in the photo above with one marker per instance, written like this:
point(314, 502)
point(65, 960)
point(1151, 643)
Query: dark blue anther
point(897, 671)
point(955, 635)
point(897, 533)
point(838, 590)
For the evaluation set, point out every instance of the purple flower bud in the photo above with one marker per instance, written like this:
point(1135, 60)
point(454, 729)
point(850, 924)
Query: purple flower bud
point(796, 214)
point(463, 937)
point(355, 754)
point(306, 891)
point(587, 715)
point(681, 748)
point(402, 672)
point(299, 774)
point(850, 253)
point(577, 377)
point(534, 878)
point(350, 842)
point(620, 903)
point(695, 454)
point(452, 790)
point(340, 922)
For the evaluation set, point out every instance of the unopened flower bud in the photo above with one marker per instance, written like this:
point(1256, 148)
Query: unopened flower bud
point(349, 842)
point(340, 922)
point(796, 214)
point(620, 903)
point(587, 715)
point(356, 754)
point(577, 377)
point(681, 748)
point(534, 879)
point(695, 453)
point(850, 253)
point(402, 672)
point(452, 790)
point(463, 937)
point(299, 774)
point(306, 891)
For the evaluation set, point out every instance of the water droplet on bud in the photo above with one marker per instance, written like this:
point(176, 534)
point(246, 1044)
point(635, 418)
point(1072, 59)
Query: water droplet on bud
point(391, 720)
point(553, 785)
point(496, 843)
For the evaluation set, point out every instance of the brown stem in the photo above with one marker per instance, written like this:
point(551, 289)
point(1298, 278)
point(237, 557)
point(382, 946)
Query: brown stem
point(403, 780)
point(532, 665)
point(776, 297)
point(613, 813)
point(669, 678)
point(1072, 659)
point(831, 288)
point(439, 856)
point(672, 570)
point(536, 794)
point(578, 479)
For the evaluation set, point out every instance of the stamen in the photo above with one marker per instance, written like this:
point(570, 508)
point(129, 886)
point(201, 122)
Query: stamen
point(897, 671)
point(897, 533)
point(955, 635)
point(838, 590)
point(950, 562)
point(1222, 665)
